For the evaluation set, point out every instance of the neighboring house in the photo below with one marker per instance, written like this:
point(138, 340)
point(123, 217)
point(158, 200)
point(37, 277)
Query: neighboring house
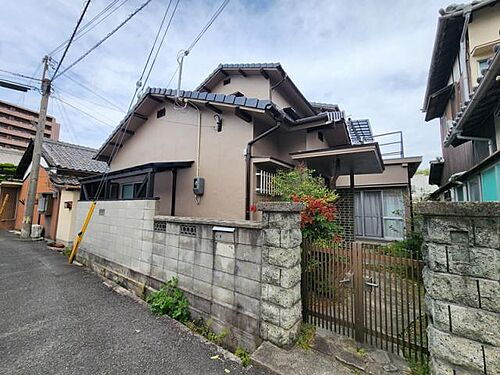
point(58, 191)
point(420, 187)
point(212, 152)
point(463, 90)
point(382, 201)
point(18, 127)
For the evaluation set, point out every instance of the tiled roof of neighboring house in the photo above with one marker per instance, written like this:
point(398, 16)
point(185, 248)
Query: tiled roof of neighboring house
point(71, 157)
point(447, 43)
point(324, 106)
point(64, 179)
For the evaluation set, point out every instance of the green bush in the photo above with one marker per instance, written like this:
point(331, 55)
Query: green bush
point(410, 247)
point(243, 355)
point(170, 300)
point(419, 367)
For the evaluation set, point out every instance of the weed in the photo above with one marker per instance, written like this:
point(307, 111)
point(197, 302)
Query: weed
point(170, 300)
point(419, 367)
point(243, 355)
point(67, 252)
point(306, 336)
point(361, 352)
point(205, 329)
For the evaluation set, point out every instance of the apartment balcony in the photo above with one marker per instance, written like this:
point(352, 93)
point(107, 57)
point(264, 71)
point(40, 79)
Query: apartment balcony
point(25, 116)
point(20, 125)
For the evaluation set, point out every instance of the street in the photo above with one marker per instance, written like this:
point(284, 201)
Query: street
point(58, 318)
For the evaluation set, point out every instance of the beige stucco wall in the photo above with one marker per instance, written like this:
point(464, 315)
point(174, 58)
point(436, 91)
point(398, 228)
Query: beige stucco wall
point(483, 31)
point(222, 161)
point(66, 219)
point(252, 86)
point(394, 174)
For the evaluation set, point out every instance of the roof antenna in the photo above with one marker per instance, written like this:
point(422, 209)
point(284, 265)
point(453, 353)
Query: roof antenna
point(180, 59)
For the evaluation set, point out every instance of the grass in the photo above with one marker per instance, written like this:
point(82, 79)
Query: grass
point(243, 355)
point(306, 336)
point(419, 367)
point(66, 252)
point(205, 329)
point(170, 300)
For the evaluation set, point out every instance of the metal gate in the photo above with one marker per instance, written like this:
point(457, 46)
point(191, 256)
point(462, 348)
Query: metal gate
point(368, 292)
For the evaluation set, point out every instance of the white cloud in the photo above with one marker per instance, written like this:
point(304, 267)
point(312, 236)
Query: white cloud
point(370, 57)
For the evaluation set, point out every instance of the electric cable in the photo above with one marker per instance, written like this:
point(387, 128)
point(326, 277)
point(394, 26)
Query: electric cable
point(103, 40)
point(71, 38)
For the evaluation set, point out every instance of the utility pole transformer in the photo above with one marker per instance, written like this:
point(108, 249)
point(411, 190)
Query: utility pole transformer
point(37, 153)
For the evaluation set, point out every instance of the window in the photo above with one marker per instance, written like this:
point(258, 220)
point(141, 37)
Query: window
point(460, 194)
point(481, 64)
point(238, 94)
point(475, 189)
point(379, 214)
point(128, 191)
point(227, 81)
point(320, 137)
point(490, 184)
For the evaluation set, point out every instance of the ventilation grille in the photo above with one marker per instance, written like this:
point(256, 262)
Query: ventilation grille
point(160, 226)
point(188, 230)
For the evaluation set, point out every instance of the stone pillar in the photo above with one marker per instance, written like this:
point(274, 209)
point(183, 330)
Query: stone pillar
point(461, 278)
point(281, 305)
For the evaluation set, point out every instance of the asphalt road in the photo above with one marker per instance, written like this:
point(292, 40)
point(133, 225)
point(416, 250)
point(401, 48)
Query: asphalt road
point(62, 319)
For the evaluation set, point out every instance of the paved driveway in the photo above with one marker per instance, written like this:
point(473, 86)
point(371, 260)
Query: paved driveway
point(61, 319)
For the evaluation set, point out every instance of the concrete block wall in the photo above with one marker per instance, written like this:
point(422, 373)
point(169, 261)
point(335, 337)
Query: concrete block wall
point(219, 263)
point(462, 283)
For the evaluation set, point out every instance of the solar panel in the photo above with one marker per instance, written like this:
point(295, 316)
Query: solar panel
point(360, 131)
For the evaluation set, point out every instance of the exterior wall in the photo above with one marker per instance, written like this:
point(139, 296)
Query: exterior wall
point(483, 35)
point(8, 218)
point(243, 275)
point(345, 213)
point(252, 86)
point(67, 216)
point(394, 174)
point(222, 161)
point(48, 222)
point(461, 278)
point(17, 126)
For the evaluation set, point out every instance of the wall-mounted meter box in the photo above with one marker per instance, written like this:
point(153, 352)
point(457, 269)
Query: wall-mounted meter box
point(198, 186)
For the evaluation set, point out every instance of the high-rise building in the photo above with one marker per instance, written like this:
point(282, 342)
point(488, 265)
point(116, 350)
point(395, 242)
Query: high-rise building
point(18, 127)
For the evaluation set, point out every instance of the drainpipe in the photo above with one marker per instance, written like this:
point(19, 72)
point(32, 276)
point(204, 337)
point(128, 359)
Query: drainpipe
point(478, 139)
point(248, 160)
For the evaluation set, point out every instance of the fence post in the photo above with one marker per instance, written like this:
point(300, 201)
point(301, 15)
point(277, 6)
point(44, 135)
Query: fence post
point(281, 307)
point(359, 305)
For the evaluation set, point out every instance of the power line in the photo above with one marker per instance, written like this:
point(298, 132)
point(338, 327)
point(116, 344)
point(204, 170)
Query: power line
point(94, 92)
point(88, 101)
point(82, 31)
point(83, 112)
point(19, 75)
point(103, 40)
point(207, 26)
point(161, 42)
point(71, 38)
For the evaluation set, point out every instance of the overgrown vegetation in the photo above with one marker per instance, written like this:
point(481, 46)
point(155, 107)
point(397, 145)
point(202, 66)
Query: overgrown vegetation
point(243, 355)
point(411, 246)
point(306, 336)
point(204, 328)
point(170, 300)
point(419, 367)
point(318, 218)
point(7, 170)
point(67, 252)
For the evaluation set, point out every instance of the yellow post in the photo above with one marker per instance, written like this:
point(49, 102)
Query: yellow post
point(3, 204)
point(79, 236)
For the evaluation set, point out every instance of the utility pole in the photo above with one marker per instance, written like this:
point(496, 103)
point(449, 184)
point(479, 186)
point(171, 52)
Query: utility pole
point(37, 152)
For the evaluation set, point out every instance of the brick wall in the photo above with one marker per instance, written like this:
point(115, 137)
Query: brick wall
point(345, 213)
point(218, 263)
point(461, 278)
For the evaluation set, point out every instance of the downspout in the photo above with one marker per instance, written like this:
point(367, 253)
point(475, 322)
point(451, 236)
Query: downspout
point(248, 161)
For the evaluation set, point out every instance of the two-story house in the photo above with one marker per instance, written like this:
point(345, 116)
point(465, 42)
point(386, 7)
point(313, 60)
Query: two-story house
point(463, 91)
point(212, 152)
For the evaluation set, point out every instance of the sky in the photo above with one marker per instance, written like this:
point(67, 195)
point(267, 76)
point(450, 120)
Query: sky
point(370, 57)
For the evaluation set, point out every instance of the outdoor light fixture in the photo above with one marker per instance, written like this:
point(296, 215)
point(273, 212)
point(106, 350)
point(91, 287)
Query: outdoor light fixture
point(218, 122)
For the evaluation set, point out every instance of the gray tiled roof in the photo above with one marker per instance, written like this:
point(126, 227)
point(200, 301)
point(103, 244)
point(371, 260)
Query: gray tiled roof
point(238, 66)
point(323, 106)
point(64, 179)
point(71, 157)
point(241, 101)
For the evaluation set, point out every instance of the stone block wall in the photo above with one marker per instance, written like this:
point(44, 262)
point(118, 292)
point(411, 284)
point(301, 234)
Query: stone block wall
point(236, 273)
point(462, 283)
